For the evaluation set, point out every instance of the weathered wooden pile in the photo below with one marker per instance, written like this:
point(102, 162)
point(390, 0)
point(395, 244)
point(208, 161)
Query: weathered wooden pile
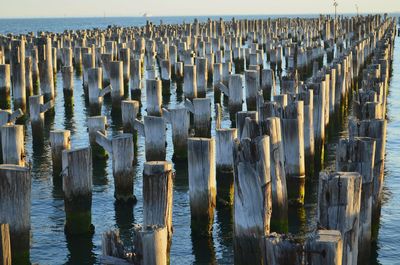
point(284, 82)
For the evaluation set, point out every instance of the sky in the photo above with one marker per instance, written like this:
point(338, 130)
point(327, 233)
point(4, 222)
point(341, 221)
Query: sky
point(97, 8)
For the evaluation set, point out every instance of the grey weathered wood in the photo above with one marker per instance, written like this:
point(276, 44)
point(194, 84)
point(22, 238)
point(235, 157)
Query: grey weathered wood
point(68, 79)
point(241, 118)
point(46, 67)
point(252, 81)
point(130, 110)
point(224, 143)
point(282, 250)
point(190, 81)
point(179, 119)
point(155, 137)
point(279, 218)
point(95, 84)
point(202, 183)
point(252, 201)
point(358, 155)
point(154, 97)
point(157, 194)
point(117, 83)
point(96, 123)
point(77, 186)
point(151, 243)
point(339, 200)
point(325, 247)
point(202, 117)
point(5, 79)
point(12, 144)
point(112, 246)
point(15, 207)
point(59, 140)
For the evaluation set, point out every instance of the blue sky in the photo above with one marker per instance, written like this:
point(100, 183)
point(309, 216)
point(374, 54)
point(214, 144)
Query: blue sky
point(89, 8)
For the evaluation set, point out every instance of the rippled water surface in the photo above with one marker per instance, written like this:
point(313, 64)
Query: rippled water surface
point(49, 243)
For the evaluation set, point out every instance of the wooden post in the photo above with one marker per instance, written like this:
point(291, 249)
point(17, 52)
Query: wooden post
point(293, 141)
point(202, 184)
point(282, 250)
point(153, 129)
point(117, 83)
point(339, 196)
point(157, 194)
point(94, 89)
point(95, 124)
point(201, 109)
point(279, 218)
point(15, 209)
point(235, 93)
point(179, 119)
point(201, 76)
point(18, 72)
point(154, 97)
point(252, 86)
point(77, 186)
point(5, 245)
point(252, 201)
point(36, 113)
point(130, 110)
point(136, 78)
point(268, 83)
point(12, 144)
point(46, 67)
point(165, 74)
point(120, 147)
point(28, 77)
point(358, 155)
point(309, 145)
point(5, 85)
point(241, 118)
point(59, 140)
point(68, 80)
point(88, 62)
point(325, 247)
point(190, 81)
point(224, 143)
point(151, 244)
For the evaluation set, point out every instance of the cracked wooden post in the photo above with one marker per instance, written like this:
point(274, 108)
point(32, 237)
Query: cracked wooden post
point(97, 123)
point(12, 144)
point(319, 121)
point(46, 68)
point(153, 130)
point(68, 80)
point(190, 82)
point(130, 110)
point(279, 217)
point(157, 194)
point(5, 245)
point(375, 129)
point(151, 245)
point(252, 86)
point(136, 78)
point(202, 184)
point(59, 141)
point(77, 186)
point(124, 56)
point(201, 109)
point(268, 83)
point(15, 209)
point(241, 118)
point(281, 249)
point(88, 62)
point(217, 79)
point(309, 144)
point(28, 77)
point(325, 247)
point(165, 74)
point(5, 85)
point(36, 112)
point(117, 83)
point(18, 73)
point(201, 76)
point(339, 197)
point(358, 155)
point(224, 164)
point(154, 97)
point(252, 201)
point(95, 85)
point(293, 141)
point(120, 147)
point(180, 122)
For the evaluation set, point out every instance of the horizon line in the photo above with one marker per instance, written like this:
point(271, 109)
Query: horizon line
point(201, 15)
